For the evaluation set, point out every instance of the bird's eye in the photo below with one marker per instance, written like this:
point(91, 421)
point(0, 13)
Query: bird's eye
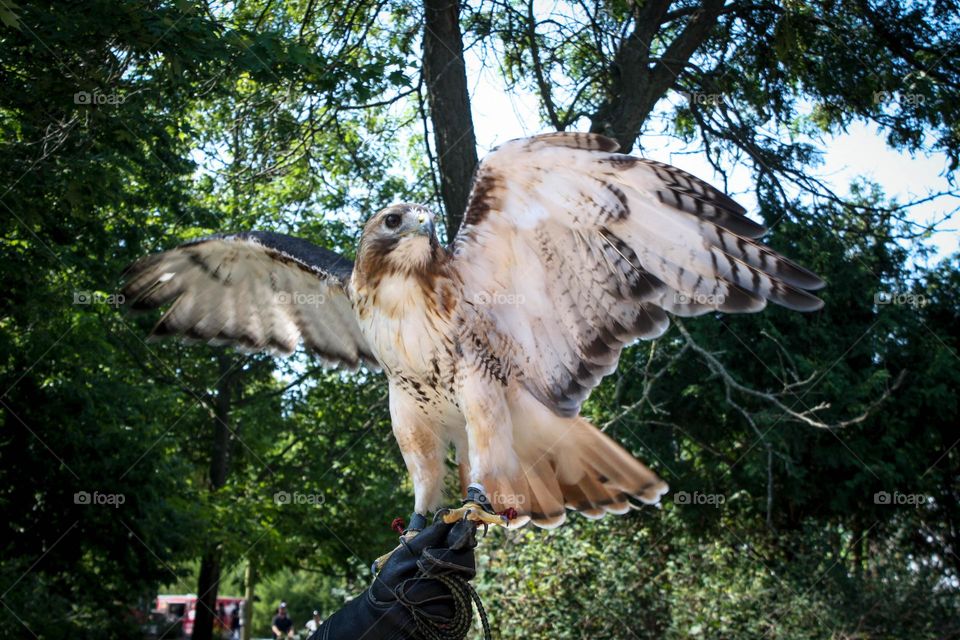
point(393, 220)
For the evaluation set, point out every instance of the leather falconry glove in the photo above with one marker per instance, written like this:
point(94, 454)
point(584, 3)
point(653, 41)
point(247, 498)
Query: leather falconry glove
point(421, 592)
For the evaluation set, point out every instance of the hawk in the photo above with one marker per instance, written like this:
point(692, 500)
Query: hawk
point(568, 252)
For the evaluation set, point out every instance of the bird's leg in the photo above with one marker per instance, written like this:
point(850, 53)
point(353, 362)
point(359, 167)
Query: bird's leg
point(476, 507)
point(489, 445)
point(423, 447)
point(417, 523)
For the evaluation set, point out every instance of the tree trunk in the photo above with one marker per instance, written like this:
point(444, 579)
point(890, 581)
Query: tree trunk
point(446, 78)
point(637, 81)
point(208, 587)
point(249, 581)
point(857, 542)
point(208, 583)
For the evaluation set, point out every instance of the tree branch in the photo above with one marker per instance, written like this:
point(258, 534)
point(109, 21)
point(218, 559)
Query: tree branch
point(807, 416)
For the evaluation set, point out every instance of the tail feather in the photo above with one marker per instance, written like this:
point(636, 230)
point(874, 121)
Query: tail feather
point(591, 498)
point(567, 463)
point(546, 507)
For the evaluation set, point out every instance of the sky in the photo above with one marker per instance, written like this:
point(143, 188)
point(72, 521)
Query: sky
point(500, 115)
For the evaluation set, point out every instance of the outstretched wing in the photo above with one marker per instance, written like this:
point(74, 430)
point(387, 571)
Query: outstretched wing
point(258, 290)
point(572, 251)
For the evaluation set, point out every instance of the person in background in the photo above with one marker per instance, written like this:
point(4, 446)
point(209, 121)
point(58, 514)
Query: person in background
point(235, 621)
point(282, 624)
point(221, 622)
point(314, 623)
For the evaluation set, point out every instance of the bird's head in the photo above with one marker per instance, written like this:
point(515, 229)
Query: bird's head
point(399, 239)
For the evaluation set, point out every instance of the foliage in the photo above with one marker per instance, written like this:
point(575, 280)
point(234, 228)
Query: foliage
point(127, 126)
point(646, 576)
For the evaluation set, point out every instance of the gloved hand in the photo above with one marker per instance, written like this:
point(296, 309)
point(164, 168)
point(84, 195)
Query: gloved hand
point(422, 586)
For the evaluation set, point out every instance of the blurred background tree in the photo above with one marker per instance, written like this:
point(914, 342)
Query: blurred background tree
point(812, 458)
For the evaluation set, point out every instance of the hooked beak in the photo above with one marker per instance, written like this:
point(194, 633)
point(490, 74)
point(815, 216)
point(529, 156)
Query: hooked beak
point(426, 224)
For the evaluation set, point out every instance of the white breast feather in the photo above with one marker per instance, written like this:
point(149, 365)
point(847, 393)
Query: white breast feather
point(400, 328)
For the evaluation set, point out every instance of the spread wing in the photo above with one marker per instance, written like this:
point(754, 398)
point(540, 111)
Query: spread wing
point(572, 251)
point(258, 290)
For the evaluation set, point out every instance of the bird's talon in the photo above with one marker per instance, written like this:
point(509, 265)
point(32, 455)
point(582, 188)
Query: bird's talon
point(417, 523)
point(474, 513)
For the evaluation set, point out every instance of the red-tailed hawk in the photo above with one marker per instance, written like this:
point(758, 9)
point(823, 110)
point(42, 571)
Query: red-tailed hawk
point(568, 252)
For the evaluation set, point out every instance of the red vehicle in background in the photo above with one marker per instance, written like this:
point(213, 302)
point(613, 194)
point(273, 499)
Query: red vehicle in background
point(181, 611)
